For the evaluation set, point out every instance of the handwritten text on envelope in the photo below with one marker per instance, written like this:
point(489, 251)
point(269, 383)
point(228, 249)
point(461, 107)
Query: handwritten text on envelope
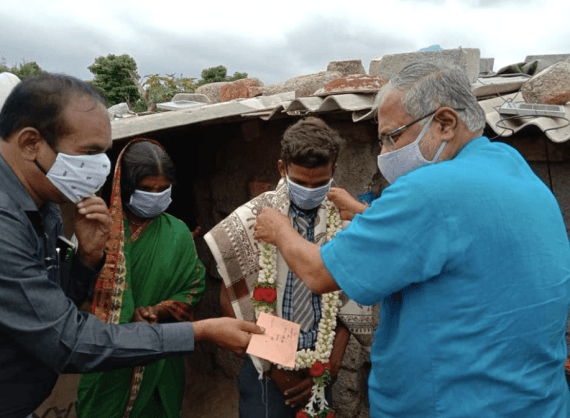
point(279, 342)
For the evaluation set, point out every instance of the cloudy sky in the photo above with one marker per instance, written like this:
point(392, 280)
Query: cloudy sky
point(271, 40)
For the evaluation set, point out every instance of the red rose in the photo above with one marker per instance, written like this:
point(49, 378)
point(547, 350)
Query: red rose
point(302, 414)
point(327, 366)
point(317, 369)
point(269, 295)
point(331, 415)
point(258, 294)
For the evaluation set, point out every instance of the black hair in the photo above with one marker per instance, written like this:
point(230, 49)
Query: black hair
point(40, 101)
point(140, 160)
point(310, 143)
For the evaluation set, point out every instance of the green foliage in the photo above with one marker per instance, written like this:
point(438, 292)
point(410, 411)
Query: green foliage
point(237, 76)
point(112, 78)
point(219, 73)
point(139, 106)
point(22, 70)
point(162, 89)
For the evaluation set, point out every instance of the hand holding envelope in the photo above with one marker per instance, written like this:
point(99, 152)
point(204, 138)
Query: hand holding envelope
point(279, 342)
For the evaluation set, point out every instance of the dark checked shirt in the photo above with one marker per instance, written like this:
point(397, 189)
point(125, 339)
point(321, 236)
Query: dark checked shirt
point(309, 338)
point(42, 333)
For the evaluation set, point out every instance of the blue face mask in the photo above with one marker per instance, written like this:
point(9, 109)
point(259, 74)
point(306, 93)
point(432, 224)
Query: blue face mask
point(148, 205)
point(306, 198)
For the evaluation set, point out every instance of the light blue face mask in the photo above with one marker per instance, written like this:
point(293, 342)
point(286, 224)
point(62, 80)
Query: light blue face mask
point(397, 163)
point(78, 176)
point(306, 198)
point(148, 205)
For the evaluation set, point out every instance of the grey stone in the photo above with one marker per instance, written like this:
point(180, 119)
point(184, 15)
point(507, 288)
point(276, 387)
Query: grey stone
point(465, 58)
point(552, 58)
point(347, 67)
point(212, 90)
point(354, 356)
point(193, 97)
point(7, 82)
point(304, 85)
point(486, 65)
point(550, 81)
point(119, 111)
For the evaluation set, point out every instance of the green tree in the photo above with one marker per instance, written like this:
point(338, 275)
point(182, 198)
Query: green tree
point(112, 77)
point(219, 73)
point(157, 89)
point(22, 70)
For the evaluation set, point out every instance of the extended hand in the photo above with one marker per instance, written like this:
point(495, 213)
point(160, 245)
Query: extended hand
point(347, 205)
point(299, 395)
point(269, 225)
point(92, 227)
point(230, 333)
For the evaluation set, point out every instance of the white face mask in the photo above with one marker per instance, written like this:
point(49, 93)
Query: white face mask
point(397, 163)
point(306, 198)
point(78, 176)
point(148, 205)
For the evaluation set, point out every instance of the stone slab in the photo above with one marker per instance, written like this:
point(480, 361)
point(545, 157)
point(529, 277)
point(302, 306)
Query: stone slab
point(241, 89)
point(192, 97)
point(486, 65)
point(355, 83)
point(552, 58)
point(466, 58)
point(347, 67)
point(212, 90)
point(304, 85)
point(546, 86)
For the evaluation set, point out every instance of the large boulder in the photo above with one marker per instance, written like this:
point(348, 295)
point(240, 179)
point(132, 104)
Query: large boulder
point(212, 90)
point(7, 83)
point(304, 85)
point(551, 85)
point(241, 89)
point(347, 67)
point(356, 83)
point(465, 58)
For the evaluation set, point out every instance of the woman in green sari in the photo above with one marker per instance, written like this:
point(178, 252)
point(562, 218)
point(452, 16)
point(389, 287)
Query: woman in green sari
point(152, 274)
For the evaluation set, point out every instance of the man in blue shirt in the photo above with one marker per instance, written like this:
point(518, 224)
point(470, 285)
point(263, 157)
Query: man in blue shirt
point(54, 131)
point(468, 252)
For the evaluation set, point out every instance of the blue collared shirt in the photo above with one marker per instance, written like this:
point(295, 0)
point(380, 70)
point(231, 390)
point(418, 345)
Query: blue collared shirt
point(42, 333)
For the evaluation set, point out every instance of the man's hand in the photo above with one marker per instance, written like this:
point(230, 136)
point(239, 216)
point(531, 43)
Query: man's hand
point(299, 395)
point(347, 205)
point(270, 225)
point(92, 227)
point(230, 333)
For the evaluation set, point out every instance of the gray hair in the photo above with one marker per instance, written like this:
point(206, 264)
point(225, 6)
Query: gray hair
point(427, 87)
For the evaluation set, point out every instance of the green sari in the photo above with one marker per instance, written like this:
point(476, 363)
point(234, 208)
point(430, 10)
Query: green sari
point(162, 266)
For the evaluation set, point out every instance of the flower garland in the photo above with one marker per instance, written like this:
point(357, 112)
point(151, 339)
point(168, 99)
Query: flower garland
point(264, 299)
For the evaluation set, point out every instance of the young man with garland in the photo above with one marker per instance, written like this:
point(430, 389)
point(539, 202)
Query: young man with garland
point(257, 279)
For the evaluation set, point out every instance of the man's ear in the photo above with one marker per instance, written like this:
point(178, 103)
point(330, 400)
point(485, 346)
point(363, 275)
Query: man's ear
point(28, 141)
point(281, 167)
point(448, 121)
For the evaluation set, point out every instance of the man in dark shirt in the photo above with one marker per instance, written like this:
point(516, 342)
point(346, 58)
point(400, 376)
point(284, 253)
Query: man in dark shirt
point(54, 131)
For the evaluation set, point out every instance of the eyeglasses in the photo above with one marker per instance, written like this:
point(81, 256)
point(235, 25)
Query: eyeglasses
point(389, 137)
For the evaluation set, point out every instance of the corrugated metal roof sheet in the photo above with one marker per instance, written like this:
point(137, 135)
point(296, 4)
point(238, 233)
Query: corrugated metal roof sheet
point(359, 104)
point(556, 129)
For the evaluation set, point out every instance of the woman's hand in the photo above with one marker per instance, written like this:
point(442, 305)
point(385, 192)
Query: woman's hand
point(150, 314)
